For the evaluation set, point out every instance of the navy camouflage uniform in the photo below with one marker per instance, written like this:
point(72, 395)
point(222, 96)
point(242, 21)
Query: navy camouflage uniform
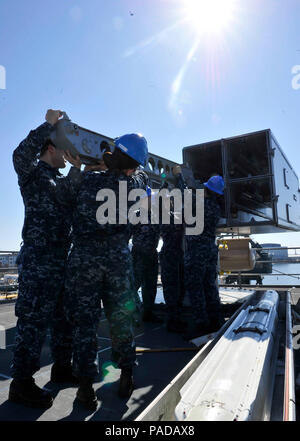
point(171, 263)
point(200, 266)
point(47, 197)
point(145, 238)
point(100, 268)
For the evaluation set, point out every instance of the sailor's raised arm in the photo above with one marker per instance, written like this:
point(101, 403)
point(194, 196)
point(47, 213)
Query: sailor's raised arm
point(26, 154)
point(139, 180)
point(67, 187)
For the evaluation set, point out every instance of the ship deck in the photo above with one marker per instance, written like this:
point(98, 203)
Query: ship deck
point(155, 371)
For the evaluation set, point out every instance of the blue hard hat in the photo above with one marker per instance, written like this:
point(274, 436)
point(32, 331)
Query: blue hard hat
point(216, 184)
point(133, 145)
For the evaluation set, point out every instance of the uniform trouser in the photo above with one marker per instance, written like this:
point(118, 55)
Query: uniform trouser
point(96, 273)
point(200, 270)
point(145, 270)
point(173, 282)
point(40, 306)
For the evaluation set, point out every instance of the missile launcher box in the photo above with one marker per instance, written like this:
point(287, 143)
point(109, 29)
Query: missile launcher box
point(89, 145)
point(261, 188)
point(159, 170)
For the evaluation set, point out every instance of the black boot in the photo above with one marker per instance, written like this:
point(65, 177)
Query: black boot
point(126, 385)
point(26, 392)
point(86, 394)
point(62, 374)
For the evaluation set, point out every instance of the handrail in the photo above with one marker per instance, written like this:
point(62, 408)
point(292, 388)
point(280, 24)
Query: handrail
point(258, 274)
point(289, 408)
point(260, 287)
point(278, 261)
point(254, 248)
point(275, 248)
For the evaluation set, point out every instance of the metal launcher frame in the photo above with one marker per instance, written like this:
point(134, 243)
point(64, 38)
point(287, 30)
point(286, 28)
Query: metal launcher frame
point(261, 188)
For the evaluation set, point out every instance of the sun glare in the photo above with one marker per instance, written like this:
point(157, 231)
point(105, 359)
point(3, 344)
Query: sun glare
point(209, 16)
point(216, 19)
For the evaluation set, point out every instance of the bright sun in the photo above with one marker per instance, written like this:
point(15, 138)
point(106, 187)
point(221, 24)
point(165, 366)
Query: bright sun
point(209, 16)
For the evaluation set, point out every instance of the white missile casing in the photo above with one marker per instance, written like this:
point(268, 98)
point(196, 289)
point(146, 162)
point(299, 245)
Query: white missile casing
point(233, 381)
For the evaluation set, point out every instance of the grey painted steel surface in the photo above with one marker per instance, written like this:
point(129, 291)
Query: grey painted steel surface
point(162, 407)
point(262, 189)
point(70, 136)
point(67, 135)
point(235, 380)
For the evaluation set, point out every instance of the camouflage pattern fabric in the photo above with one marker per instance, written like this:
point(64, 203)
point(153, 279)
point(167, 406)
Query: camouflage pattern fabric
point(200, 270)
point(39, 307)
point(47, 195)
point(200, 265)
point(100, 268)
point(100, 271)
point(171, 263)
point(47, 198)
point(86, 206)
point(145, 237)
point(145, 261)
point(145, 271)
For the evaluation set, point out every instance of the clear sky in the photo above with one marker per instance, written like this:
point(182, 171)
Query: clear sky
point(149, 66)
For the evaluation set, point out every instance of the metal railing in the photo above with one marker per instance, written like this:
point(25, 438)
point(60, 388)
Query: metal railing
point(237, 274)
point(8, 290)
point(260, 286)
point(275, 248)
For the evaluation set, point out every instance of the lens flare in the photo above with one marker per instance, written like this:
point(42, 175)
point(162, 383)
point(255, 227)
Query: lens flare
point(210, 16)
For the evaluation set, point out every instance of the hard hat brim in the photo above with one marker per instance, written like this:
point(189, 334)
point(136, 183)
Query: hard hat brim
point(206, 184)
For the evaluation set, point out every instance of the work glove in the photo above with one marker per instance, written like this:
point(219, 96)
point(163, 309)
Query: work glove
point(176, 170)
point(52, 116)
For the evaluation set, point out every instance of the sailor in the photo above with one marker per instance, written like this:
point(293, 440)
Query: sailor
point(145, 238)
point(47, 199)
point(171, 264)
point(100, 269)
point(201, 260)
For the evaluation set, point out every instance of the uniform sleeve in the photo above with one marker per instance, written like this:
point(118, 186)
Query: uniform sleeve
point(181, 184)
point(67, 187)
point(139, 180)
point(26, 154)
